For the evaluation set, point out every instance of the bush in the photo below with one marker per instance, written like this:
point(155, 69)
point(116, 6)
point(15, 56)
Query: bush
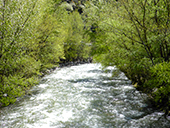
point(159, 85)
point(134, 36)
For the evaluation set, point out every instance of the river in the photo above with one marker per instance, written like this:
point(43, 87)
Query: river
point(83, 96)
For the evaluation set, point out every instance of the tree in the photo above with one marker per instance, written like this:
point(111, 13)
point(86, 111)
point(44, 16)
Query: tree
point(20, 34)
point(75, 44)
point(136, 40)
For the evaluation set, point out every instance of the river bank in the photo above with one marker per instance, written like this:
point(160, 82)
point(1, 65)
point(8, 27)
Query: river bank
point(9, 98)
point(64, 63)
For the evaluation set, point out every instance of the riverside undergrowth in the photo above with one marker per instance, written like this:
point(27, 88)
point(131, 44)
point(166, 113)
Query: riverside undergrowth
point(134, 36)
point(34, 36)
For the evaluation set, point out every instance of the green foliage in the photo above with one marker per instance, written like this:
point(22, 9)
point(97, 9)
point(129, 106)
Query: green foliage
point(21, 48)
point(34, 36)
point(15, 63)
point(14, 86)
point(134, 36)
point(159, 84)
point(75, 44)
point(50, 45)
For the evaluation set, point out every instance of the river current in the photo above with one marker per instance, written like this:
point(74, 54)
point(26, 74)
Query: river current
point(83, 96)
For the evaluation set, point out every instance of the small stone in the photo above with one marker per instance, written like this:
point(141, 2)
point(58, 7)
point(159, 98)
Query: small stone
point(5, 95)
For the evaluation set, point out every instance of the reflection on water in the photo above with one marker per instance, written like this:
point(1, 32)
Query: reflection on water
point(83, 96)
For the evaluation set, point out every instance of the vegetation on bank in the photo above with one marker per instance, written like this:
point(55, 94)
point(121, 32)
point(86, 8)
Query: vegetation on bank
point(38, 35)
point(135, 36)
point(34, 36)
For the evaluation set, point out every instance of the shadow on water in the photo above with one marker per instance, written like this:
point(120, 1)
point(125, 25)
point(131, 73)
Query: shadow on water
point(95, 71)
point(102, 80)
point(101, 71)
point(85, 80)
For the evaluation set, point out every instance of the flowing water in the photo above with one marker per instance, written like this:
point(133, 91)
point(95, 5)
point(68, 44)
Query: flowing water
point(83, 96)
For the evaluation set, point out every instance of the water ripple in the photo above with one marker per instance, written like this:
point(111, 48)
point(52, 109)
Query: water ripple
point(83, 96)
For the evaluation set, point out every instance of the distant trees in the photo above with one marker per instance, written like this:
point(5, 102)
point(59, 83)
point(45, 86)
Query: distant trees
point(75, 45)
